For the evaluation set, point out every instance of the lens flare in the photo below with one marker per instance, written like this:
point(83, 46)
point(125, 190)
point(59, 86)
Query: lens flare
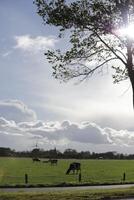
point(127, 31)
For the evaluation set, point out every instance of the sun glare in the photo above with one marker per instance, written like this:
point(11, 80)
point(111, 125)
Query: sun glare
point(128, 31)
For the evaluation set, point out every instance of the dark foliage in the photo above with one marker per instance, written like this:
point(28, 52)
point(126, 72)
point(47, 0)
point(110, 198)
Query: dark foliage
point(67, 154)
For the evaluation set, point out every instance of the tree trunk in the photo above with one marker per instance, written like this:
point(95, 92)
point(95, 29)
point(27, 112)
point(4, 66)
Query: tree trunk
point(131, 76)
point(130, 66)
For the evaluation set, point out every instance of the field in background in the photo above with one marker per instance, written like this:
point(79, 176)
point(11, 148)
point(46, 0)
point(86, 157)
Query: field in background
point(12, 171)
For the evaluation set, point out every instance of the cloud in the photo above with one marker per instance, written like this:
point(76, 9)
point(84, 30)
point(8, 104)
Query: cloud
point(11, 135)
point(34, 44)
point(85, 133)
point(121, 137)
point(16, 110)
point(4, 55)
point(20, 129)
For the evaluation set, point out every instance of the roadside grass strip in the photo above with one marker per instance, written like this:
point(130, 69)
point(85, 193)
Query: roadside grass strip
point(72, 195)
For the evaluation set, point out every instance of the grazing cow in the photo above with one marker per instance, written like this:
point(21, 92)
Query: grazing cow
point(74, 167)
point(36, 159)
point(53, 161)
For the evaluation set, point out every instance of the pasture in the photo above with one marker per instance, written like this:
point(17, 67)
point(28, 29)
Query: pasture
point(12, 171)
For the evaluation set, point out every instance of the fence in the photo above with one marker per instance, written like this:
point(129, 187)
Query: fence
point(53, 180)
point(28, 179)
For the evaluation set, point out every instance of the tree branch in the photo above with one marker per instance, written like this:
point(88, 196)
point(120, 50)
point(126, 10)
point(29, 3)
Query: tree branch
point(110, 49)
point(91, 71)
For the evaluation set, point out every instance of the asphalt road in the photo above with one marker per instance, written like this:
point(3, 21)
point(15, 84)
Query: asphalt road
point(58, 189)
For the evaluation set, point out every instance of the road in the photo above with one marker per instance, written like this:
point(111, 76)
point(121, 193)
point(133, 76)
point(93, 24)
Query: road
point(60, 189)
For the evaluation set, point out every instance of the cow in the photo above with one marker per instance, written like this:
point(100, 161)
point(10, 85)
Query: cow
point(36, 159)
point(74, 167)
point(53, 161)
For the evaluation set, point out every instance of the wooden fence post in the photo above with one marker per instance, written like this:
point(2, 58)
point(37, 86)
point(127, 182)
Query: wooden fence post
point(80, 177)
point(124, 176)
point(26, 178)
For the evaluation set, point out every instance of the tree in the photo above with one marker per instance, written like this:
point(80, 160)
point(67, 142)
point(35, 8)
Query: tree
point(6, 151)
point(100, 35)
point(70, 153)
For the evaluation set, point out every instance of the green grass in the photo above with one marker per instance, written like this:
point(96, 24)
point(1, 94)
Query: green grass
point(12, 171)
point(71, 195)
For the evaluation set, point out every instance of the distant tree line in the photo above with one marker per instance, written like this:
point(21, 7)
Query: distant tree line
point(67, 154)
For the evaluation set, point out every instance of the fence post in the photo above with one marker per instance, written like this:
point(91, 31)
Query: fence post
point(124, 176)
point(26, 178)
point(80, 177)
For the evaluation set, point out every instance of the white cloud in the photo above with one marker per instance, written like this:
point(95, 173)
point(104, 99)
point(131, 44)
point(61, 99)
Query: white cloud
point(16, 110)
point(11, 135)
point(34, 44)
point(121, 137)
point(4, 55)
point(20, 129)
point(65, 135)
point(82, 133)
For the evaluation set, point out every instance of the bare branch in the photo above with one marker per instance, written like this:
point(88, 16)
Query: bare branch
point(91, 71)
point(110, 49)
point(122, 54)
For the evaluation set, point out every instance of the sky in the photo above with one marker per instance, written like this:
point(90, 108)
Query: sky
point(95, 115)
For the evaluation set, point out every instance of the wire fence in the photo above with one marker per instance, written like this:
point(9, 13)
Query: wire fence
point(47, 180)
point(53, 180)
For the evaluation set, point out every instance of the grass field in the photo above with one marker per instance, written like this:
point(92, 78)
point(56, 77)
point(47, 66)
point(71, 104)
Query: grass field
point(12, 171)
point(75, 195)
